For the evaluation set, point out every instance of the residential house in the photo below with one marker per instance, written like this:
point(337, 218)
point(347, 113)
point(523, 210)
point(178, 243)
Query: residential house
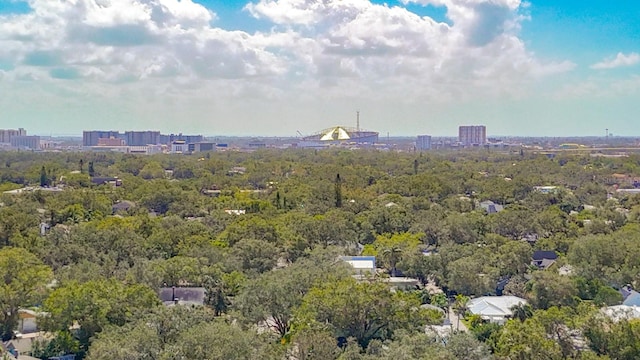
point(212, 192)
point(490, 207)
point(18, 348)
point(237, 170)
point(546, 189)
point(630, 296)
point(113, 181)
point(63, 357)
point(623, 179)
point(621, 312)
point(362, 265)
point(543, 259)
point(401, 283)
point(171, 296)
point(628, 191)
point(122, 206)
point(27, 321)
point(494, 309)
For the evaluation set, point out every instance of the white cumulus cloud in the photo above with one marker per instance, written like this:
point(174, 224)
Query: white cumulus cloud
point(620, 60)
point(166, 52)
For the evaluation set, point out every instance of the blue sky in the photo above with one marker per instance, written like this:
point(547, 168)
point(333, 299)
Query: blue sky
point(275, 67)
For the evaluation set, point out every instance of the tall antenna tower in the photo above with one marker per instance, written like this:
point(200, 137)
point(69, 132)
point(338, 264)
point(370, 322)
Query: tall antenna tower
point(358, 121)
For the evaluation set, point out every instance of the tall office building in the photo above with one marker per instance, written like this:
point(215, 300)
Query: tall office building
point(472, 135)
point(90, 138)
point(26, 142)
point(7, 134)
point(141, 138)
point(423, 142)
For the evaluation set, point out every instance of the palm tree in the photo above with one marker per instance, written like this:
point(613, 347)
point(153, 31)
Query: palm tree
point(215, 296)
point(459, 307)
point(522, 311)
point(391, 256)
point(440, 300)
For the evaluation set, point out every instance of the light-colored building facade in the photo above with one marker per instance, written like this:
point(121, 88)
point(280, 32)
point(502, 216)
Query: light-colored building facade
point(423, 142)
point(494, 309)
point(26, 142)
point(202, 146)
point(7, 134)
point(142, 138)
point(179, 147)
point(92, 137)
point(110, 142)
point(472, 135)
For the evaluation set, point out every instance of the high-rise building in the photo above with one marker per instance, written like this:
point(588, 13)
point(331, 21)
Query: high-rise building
point(7, 134)
point(91, 138)
point(141, 138)
point(423, 142)
point(472, 135)
point(26, 142)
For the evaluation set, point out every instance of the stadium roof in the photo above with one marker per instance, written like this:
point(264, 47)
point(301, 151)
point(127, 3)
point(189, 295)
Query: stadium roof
point(335, 133)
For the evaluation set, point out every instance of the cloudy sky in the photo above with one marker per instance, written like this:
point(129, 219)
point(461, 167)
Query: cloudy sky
point(276, 67)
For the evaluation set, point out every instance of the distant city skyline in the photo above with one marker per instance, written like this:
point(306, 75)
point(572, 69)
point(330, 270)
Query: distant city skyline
point(282, 67)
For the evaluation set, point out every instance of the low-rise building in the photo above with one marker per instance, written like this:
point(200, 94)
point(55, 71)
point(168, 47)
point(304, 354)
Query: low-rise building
point(113, 181)
point(361, 264)
point(202, 146)
point(543, 259)
point(490, 207)
point(179, 147)
point(171, 296)
point(494, 309)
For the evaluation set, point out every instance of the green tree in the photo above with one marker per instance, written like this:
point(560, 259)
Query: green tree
point(526, 341)
point(608, 296)
point(62, 343)
point(91, 170)
point(182, 333)
point(468, 275)
point(154, 335)
point(338, 191)
point(44, 178)
point(215, 296)
point(221, 341)
point(273, 297)
point(391, 249)
point(24, 278)
point(364, 311)
point(616, 339)
point(152, 170)
point(314, 344)
point(94, 305)
point(551, 289)
point(522, 311)
point(459, 307)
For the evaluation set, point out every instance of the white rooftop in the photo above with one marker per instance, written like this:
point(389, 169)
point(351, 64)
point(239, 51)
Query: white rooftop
point(622, 312)
point(494, 306)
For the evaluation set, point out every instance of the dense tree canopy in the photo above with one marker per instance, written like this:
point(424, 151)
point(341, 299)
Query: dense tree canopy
point(263, 232)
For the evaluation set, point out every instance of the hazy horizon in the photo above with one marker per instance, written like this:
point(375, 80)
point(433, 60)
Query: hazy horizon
point(278, 67)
